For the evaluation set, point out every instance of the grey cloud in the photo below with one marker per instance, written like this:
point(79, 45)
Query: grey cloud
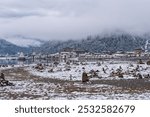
point(16, 8)
point(11, 13)
point(60, 19)
point(23, 8)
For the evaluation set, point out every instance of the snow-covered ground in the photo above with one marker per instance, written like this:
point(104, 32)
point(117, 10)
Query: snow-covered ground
point(75, 71)
point(30, 90)
point(64, 82)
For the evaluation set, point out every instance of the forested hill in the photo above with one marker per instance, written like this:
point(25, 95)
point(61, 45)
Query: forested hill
point(112, 43)
point(98, 44)
point(11, 49)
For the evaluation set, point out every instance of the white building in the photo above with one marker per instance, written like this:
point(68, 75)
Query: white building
point(68, 57)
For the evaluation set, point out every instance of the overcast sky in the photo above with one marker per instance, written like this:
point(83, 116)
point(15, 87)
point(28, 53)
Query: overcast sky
point(64, 19)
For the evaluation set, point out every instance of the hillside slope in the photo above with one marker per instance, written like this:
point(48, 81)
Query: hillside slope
point(112, 43)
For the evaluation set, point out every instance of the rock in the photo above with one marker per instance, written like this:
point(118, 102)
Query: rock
point(39, 67)
point(83, 67)
point(139, 76)
point(148, 62)
point(137, 68)
point(50, 71)
point(140, 61)
point(85, 77)
point(104, 70)
point(71, 77)
point(93, 73)
point(99, 64)
point(67, 69)
point(147, 76)
point(120, 75)
point(5, 83)
point(68, 63)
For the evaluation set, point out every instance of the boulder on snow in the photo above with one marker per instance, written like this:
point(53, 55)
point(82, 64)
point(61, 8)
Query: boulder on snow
point(85, 77)
point(139, 76)
point(4, 82)
point(140, 61)
point(148, 62)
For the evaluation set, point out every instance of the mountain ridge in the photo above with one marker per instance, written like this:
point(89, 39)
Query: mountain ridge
point(11, 49)
point(23, 41)
point(98, 44)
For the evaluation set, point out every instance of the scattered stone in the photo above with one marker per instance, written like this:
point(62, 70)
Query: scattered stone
point(147, 76)
point(139, 76)
point(99, 64)
point(140, 61)
point(93, 73)
point(68, 63)
point(104, 70)
point(71, 77)
point(120, 75)
point(51, 70)
point(4, 82)
point(137, 68)
point(83, 67)
point(39, 67)
point(148, 62)
point(85, 77)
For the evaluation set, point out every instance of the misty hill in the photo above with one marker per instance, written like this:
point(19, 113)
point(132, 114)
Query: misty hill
point(112, 43)
point(100, 43)
point(9, 48)
point(23, 41)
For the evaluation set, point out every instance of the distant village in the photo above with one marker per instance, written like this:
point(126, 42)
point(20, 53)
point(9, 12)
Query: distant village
point(71, 55)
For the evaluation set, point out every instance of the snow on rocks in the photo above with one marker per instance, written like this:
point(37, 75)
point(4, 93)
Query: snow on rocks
point(107, 70)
